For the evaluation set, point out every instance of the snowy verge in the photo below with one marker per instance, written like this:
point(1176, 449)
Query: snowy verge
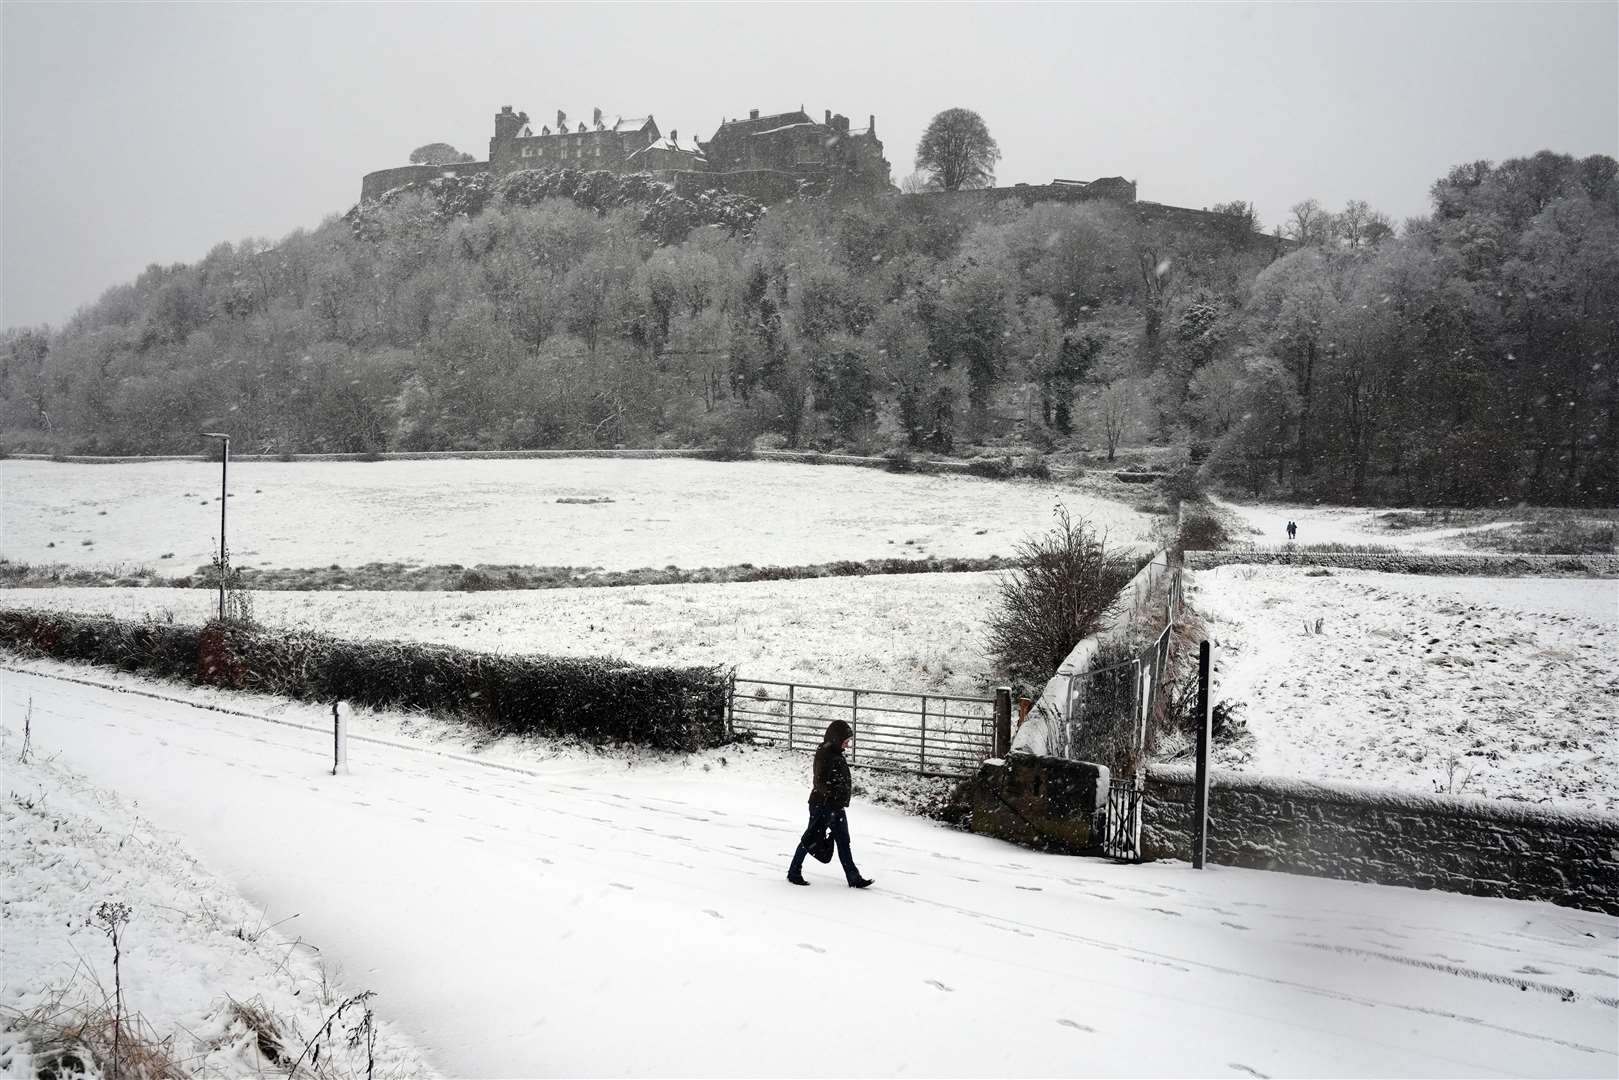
point(212, 985)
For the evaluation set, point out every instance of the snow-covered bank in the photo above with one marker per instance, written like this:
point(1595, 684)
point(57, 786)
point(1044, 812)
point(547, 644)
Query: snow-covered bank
point(191, 951)
point(909, 632)
point(520, 922)
point(1265, 524)
point(616, 514)
point(1497, 687)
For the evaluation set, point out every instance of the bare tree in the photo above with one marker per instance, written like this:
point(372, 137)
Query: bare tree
point(958, 151)
point(1115, 412)
point(914, 183)
point(1308, 223)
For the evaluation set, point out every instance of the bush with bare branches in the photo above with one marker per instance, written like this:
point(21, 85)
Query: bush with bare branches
point(1065, 585)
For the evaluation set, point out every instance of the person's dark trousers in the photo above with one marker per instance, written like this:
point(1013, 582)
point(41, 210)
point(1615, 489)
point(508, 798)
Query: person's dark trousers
point(822, 819)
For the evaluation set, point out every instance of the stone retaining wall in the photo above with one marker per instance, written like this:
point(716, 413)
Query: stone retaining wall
point(1416, 562)
point(1456, 843)
point(1041, 802)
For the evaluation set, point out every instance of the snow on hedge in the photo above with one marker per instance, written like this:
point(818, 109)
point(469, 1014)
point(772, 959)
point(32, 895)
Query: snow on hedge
point(165, 514)
point(909, 632)
point(1501, 688)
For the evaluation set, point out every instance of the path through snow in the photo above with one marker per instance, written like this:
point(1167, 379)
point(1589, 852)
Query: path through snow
point(592, 919)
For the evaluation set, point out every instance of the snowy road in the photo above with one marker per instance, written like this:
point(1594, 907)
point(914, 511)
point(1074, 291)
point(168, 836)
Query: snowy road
point(585, 918)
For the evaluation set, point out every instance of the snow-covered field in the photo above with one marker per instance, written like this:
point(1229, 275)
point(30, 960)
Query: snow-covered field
point(192, 949)
point(570, 916)
point(901, 632)
point(1506, 688)
point(1265, 525)
point(662, 512)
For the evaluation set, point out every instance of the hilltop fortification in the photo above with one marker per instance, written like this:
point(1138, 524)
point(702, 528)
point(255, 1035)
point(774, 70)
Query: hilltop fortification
point(767, 157)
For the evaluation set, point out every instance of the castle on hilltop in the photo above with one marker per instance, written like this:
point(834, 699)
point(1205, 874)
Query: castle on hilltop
point(767, 157)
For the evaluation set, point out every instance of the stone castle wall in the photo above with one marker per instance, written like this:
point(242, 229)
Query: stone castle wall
point(1456, 843)
point(374, 184)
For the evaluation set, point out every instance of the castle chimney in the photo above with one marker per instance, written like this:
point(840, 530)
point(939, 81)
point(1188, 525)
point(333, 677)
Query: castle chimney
point(596, 116)
point(674, 136)
point(753, 114)
point(872, 122)
point(562, 120)
point(828, 120)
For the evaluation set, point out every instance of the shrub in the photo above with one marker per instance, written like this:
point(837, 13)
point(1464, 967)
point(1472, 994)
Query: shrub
point(1202, 532)
point(1035, 468)
point(1065, 584)
point(901, 461)
point(1000, 468)
point(596, 698)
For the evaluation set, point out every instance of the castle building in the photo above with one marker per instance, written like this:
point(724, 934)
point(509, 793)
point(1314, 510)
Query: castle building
point(768, 157)
point(791, 142)
point(597, 145)
point(666, 156)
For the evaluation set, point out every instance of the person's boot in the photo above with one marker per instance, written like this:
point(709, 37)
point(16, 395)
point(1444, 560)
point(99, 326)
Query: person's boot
point(797, 879)
point(862, 883)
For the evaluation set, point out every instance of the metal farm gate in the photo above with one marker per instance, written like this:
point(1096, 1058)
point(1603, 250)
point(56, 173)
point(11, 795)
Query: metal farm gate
point(927, 734)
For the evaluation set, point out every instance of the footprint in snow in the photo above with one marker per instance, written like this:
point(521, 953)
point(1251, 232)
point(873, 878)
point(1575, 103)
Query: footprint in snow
point(811, 948)
point(420, 819)
point(1031, 888)
point(1233, 925)
point(544, 860)
point(621, 885)
point(937, 985)
point(474, 839)
point(711, 911)
point(1240, 1067)
point(1076, 1025)
point(1164, 910)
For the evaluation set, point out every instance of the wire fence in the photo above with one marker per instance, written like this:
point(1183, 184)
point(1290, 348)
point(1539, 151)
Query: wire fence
point(1109, 709)
point(894, 731)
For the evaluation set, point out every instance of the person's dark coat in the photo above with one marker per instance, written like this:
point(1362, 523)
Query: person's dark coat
point(833, 784)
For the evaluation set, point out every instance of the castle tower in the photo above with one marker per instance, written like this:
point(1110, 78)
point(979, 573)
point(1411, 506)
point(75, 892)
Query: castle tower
point(508, 125)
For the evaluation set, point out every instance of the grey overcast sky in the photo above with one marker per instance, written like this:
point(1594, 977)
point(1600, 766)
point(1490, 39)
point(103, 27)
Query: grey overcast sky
point(141, 133)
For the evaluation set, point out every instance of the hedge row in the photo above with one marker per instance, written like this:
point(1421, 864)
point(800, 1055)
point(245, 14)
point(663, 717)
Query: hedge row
point(595, 698)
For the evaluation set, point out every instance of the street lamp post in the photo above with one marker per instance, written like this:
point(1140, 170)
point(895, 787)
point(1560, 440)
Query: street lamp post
point(224, 495)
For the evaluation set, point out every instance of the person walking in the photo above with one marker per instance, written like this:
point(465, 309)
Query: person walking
point(828, 801)
point(1292, 531)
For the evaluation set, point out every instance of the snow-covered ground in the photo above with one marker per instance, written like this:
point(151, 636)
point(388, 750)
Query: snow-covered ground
point(1506, 688)
point(662, 512)
point(901, 632)
point(1266, 526)
point(191, 950)
point(581, 917)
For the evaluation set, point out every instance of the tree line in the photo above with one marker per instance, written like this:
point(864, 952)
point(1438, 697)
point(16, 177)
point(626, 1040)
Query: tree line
point(1464, 356)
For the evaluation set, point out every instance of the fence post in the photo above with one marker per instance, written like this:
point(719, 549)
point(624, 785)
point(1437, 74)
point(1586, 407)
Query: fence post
point(1200, 795)
point(1003, 721)
point(790, 689)
point(340, 747)
point(922, 754)
point(854, 722)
